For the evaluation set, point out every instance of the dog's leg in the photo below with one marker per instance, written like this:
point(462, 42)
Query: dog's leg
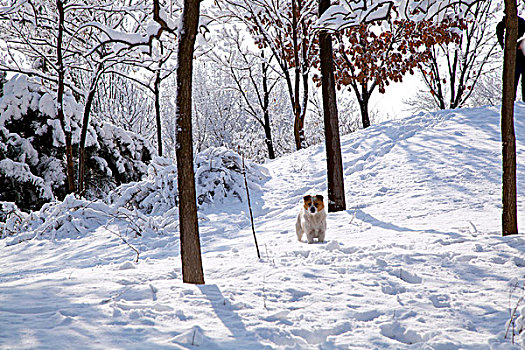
point(298, 228)
point(320, 236)
point(310, 236)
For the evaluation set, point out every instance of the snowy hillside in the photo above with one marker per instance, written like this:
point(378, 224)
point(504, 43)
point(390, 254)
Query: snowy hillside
point(416, 262)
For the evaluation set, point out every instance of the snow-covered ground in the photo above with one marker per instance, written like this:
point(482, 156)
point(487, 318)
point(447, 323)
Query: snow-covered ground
point(416, 262)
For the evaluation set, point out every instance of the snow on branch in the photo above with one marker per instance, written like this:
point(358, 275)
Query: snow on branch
point(339, 17)
point(124, 39)
point(160, 23)
point(354, 12)
point(22, 173)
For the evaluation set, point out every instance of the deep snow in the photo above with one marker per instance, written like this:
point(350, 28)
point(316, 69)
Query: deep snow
point(416, 262)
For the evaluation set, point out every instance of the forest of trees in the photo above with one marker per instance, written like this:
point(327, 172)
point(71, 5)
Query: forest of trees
point(264, 77)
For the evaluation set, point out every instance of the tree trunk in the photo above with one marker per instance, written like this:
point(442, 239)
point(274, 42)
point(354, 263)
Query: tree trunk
point(304, 71)
point(83, 136)
point(156, 90)
point(336, 191)
point(70, 168)
point(363, 106)
point(266, 113)
point(189, 228)
point(298, 120)
point(509, 217)
point(268, 134)
point(298, 129)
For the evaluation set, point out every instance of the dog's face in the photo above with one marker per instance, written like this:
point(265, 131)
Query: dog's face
point(313, 204)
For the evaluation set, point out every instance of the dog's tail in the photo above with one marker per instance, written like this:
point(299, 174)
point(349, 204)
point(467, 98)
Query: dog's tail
point(299, 228)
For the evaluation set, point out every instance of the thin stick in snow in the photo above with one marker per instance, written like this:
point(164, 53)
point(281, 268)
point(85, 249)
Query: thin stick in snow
point(249, 205)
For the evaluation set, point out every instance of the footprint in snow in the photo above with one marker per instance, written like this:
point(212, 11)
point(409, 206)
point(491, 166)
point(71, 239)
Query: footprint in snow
point(279, 317)
point(520, 262)
point(367, 316)
point(303, 253)
point(296, 295)
point(318, 336)
point(396, 331)
point(332, 245)
point(440, 300)
point(405, 275)
point(392, 288)
point(137, 293)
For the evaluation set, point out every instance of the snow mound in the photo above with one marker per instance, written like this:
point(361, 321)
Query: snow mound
point(192, 337)
point(398, 332)
point(70, 218)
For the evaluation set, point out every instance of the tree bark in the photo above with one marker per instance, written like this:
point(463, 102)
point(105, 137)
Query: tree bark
point(189, 228)
point(508, 138)
point(266, 113)
point(336, 191)
point(298, 129)
point(298, 120)
point(70, 168)
point(156, 90)
point(83, 136)
point(85, 124)
point(363, 106)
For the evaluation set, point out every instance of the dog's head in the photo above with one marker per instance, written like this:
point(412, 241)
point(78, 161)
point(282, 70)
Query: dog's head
point(313, 204)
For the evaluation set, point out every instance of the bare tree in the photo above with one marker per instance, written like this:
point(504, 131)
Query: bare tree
point(286, 28)
point(253, 79)
point(189, 228)
point(125, 103)
point(261, 92)
point(347, 114)
point(223, 116)
point(454, 70)
point(488, 89)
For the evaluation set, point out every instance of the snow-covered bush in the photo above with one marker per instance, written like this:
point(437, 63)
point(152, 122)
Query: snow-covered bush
point(148, 205)
point(119, 157)
point(155, 194)
point(32, 147)
point(76, 217)
point(218, 175)
point(11, 219)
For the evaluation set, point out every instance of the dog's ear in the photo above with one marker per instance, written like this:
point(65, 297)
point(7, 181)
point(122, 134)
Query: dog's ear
point(320, 197)
point(307, 198)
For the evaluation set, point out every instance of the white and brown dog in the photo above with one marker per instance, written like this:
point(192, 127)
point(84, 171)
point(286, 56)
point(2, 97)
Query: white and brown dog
point(311, 219)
